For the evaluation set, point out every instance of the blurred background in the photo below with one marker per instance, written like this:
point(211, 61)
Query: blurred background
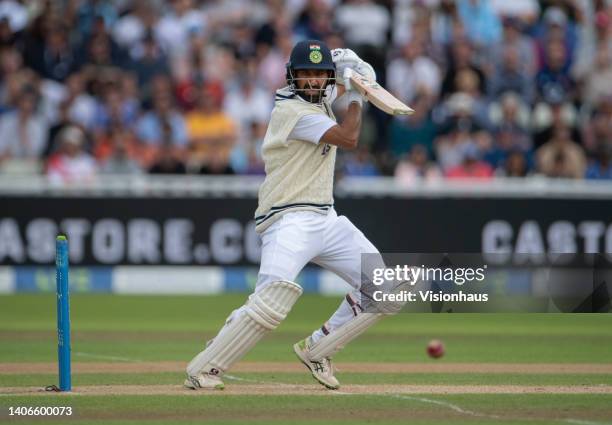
point(135, 127)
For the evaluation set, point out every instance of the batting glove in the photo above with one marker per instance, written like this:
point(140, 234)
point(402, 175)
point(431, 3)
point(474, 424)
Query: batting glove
point(351, 94)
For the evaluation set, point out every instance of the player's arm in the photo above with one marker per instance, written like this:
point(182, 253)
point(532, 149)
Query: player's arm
point(346, 134)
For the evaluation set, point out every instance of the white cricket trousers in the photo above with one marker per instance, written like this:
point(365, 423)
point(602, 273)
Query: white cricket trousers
point(330, 241)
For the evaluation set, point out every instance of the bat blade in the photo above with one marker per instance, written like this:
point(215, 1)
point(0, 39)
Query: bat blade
point(379, 97)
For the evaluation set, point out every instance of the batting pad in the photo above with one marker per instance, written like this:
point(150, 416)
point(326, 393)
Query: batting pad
point(263, 312)
point(330, 344)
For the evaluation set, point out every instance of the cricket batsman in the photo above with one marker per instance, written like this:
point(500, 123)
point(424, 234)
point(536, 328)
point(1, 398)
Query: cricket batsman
point(297, 221)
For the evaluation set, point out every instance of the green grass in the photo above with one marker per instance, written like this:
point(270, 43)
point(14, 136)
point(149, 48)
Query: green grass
point(174, 328)
point(198, 313)
point(152, 346)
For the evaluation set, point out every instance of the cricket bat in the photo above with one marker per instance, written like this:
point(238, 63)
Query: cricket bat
point(378, 96)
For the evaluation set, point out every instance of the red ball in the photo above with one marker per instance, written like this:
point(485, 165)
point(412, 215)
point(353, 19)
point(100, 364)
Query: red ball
point(435, 348)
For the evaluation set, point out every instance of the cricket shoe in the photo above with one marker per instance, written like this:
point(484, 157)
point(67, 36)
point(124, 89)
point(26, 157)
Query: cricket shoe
point(322, 370)
point(204, 381)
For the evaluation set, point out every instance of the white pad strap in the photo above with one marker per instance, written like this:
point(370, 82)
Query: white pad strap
point(263, 312)
point(330, 344)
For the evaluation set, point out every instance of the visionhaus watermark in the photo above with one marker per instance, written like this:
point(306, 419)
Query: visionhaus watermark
point(401, 275)
point(460, 282)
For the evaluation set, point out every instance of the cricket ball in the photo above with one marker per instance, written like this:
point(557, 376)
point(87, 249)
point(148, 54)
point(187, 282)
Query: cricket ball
point(435, 348)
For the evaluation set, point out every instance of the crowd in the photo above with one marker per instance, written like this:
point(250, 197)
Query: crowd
point(500, 87)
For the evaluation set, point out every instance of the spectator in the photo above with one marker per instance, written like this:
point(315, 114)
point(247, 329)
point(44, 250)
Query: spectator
point(190, 73)
point(64, 120)
point(355, 15)
point(555, 27)
point(555, 72)
point(598, 129)
point(271, 67)
point(209, 129)
point(71, 164)
point(471, 166)
point(598, 81)
point(15, 13)
point(24, 131)
point(132, 27)
point(561, 157)
point(458, 112)
point(276, 21)
point(101, 54)
point(220, 64)
point(415, 167)
point(445, 18)
point(513, 37)
point(168, 161)
point(359, 163)
point(243, 40)
point(130, 93)
point(149, 61)
point(458, 129)
point(51, 56)
point(554, 112)
point(11, 64)
point(178, 25)
point(114, 109)
point(246, 103)
point(89, 12)
point(16, 83)
point(594, 32)
point(511, 76)
point(466, 82)
point(121, 138)
point(7, 37)
point(315, 22)
point(407, 15)
point(462, 58)
point(163, 125)
point(81, 106)
point(525, 11)
point(255, 164)
point(217, 164)
point(413, 72)
point(121, 160)
point(416, 129)
point(481, 23)
point(422, 31)
point(601, 167)
point(514, 165)
point(450, 148)
point(510, 118)
point(160, 86)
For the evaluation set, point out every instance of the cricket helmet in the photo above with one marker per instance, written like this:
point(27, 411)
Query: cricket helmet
point(310, 54)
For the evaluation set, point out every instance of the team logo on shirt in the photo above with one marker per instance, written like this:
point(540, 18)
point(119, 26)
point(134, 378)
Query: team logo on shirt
point(326, 149)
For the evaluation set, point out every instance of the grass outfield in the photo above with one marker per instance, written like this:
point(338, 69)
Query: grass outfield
point(129, 352)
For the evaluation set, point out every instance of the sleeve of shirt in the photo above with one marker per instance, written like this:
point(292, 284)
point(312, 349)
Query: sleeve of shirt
point(310, 128)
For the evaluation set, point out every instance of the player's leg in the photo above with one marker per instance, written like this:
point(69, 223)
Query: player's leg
point(263, 312)
point(286, 247)
point(344, 245)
